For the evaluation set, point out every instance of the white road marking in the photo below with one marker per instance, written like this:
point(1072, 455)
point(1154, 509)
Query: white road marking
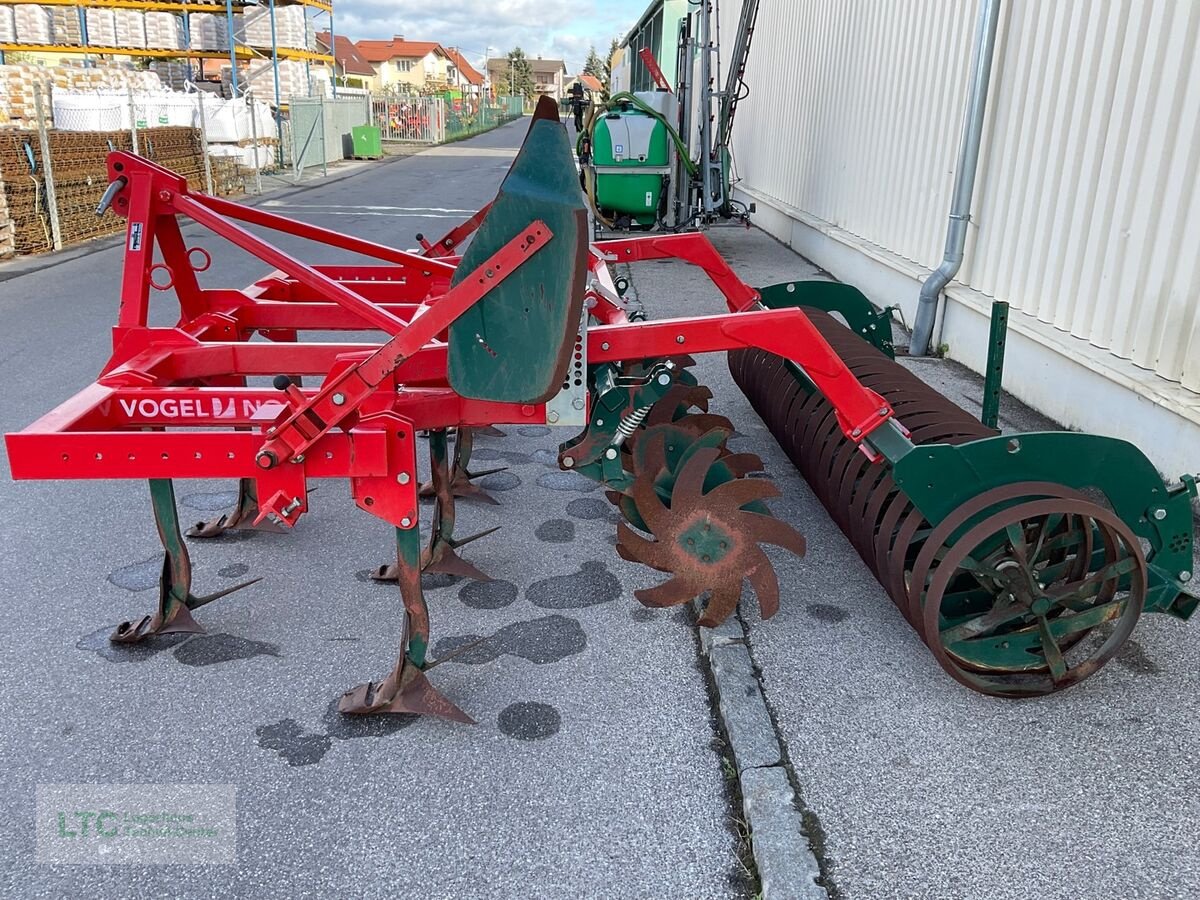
point(502, 153)
point(351, 211)
point(407, 209)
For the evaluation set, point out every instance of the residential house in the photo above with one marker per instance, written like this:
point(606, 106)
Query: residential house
point(462, 75)
point(496, 73)
point(549, 75)
point(409, 66)
point(350, 68)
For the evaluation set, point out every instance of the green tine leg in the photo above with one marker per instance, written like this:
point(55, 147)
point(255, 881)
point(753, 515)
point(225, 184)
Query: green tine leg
point(175, 597)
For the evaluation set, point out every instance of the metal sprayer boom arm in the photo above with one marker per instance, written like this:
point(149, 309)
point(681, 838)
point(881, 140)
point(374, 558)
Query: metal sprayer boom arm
point(737, 69)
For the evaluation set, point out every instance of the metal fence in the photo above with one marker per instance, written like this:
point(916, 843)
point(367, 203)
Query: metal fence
point(476, 115)
point(321, 127)
point(435, 120)
point(419, 120)
point(51, 178)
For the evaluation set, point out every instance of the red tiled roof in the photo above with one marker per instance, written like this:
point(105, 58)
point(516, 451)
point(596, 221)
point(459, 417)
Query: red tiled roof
point(381, 51)
point(591, 82)
point(348, 59)
point(465, 67)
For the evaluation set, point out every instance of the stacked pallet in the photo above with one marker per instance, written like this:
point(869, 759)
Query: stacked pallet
point(208, 32)
point(164, 31)
point(80, 179)
point(17, 84)
point(130, 27)
point(228, 180)
point(293, 78)
point(101, 27)
point(65, 23)
point(33, 24)
point(174, 75)
point(291, 25)
point(8, 25)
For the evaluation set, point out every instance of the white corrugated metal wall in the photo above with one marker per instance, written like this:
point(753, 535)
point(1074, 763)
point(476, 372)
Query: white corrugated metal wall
point(1087, 210)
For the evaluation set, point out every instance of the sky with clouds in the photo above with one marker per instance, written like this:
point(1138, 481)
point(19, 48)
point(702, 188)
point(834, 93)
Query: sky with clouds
point(560, 29)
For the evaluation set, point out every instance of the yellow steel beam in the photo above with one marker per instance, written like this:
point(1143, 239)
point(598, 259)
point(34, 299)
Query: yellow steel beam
point(155, 6)
point(240, 52)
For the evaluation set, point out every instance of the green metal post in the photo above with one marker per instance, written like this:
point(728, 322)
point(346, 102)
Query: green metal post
point(994, 376)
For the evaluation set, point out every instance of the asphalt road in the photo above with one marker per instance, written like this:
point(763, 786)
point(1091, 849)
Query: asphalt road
point(592, 772)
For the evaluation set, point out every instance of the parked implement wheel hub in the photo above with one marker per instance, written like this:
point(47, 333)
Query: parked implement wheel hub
point(1034, 598)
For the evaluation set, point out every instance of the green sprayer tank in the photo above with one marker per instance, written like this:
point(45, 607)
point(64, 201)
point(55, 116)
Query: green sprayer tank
point(632, 159)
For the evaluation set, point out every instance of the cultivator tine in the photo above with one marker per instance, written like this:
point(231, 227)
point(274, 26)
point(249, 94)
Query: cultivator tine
point(173, 615)
point(441, 555)
point(175, 598)
point(406, 689)
point(461, 476)
point(240, 518)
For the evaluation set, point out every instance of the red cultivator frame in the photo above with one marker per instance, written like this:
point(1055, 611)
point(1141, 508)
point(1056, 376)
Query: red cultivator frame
point(492, 338)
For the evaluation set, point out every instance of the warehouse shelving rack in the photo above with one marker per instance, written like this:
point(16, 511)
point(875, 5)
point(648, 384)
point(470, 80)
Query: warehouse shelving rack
point(234, 52)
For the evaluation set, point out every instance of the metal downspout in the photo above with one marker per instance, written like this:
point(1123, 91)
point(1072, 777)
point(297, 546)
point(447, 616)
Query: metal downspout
point(964, 178)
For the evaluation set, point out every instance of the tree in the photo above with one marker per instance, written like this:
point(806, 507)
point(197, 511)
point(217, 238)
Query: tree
point(594, 65)
point(606, 80)
point(520, 74)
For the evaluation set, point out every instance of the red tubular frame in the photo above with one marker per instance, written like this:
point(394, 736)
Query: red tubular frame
point(192, 378)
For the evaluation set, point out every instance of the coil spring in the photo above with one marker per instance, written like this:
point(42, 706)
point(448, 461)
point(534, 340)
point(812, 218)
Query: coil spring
point(629, 424)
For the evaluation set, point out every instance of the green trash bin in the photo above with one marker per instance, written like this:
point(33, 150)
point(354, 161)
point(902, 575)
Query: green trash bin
point(367, 142)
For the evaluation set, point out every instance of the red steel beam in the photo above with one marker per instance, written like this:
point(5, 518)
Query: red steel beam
point(695, 249)
point(304, 274)
point(784, 332)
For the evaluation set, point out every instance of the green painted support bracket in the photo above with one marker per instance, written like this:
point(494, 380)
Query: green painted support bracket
point(616, 400)
point(939, 478)
point(993, 378)
point(873, 326)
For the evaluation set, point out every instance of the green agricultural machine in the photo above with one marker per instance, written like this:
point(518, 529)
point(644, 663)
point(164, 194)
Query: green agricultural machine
point(632, 158)
point(660, 159)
